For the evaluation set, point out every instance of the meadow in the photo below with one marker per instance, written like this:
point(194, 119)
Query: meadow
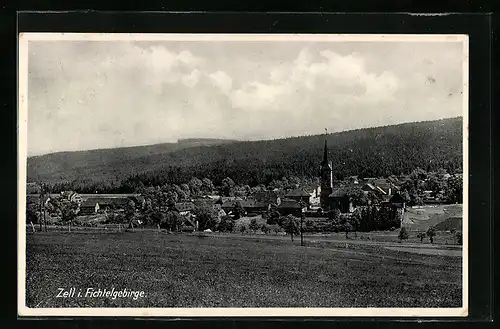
point(217, 270)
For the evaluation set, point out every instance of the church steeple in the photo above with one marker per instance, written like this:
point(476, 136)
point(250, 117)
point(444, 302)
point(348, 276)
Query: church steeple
point(326, 168)
point(325, 151)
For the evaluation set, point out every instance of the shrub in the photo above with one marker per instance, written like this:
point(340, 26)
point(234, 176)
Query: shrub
point(243, 228)
point(431, 233)
point(265, 228)
point(421, 236)
point(253, 225)
point(226, 224)
point(403, 234)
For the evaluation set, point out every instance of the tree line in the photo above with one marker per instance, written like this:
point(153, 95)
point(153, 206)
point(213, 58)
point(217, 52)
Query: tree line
point(371, 152)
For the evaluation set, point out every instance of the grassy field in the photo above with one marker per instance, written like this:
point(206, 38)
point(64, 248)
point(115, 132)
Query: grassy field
point(235, 271)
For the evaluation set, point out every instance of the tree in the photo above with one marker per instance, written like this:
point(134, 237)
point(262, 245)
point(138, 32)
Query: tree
point(32, 212)
point(357, 196)
point(172, 220)
point(291, 225)
point(207, 186)
point(207, 217)
point(253, 224)
point(69, 210)
point(355, 221)
point(265, 228)
point(238, 210)
point(458, 236)
point(227, 187)
point(431, 233)
point(273, 217)
point(171, 198)
point(346, 225)
point(454, 189)
point(403, 234)
point(243, 228)
point(195, 187)
point(187, 191)
point(226, 224)
point(334, 215)
point(130, 213)
point(421, 236)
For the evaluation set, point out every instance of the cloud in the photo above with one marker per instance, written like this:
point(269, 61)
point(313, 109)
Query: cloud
point(222, 81)
point(337, 79)
point(85, 95)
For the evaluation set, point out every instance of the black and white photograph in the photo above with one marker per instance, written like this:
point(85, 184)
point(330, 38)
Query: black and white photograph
point(242, 175)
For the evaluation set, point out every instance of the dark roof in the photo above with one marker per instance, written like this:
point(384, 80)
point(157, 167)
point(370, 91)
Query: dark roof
point(289, 204)
point(338, 192)
point(106, 201)
point(184, 206)
point(297, 193)
point(204, 202)
point(251, 203)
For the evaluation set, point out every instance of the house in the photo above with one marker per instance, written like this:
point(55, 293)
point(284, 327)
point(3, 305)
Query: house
point(106, 202)
point(252, 206)
point(353, 180)
point(291, 207)
point(339, 199)
point(270, 197)
point(89, 207)
point(249, 206)
point(299, 195)
point(184, 208)
point(72, 196)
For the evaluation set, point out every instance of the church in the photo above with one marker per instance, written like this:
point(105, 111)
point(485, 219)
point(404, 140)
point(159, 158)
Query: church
point(331, 198)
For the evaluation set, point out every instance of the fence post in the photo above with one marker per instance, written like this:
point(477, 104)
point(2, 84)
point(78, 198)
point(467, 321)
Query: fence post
point(32, 227)
point(69, 227)
point(119, 227)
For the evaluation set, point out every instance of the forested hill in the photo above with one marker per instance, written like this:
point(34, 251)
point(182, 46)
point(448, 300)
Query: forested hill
point(369, 152)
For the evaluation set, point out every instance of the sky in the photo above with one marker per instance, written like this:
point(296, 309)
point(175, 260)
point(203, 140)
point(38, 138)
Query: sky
point(104, 94)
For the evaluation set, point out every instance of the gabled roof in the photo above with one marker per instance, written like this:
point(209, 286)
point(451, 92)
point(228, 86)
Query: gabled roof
point(297, 193)
point(338, 193)
point(204, 202)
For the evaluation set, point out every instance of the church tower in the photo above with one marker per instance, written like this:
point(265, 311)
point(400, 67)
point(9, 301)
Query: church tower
point(326, 178)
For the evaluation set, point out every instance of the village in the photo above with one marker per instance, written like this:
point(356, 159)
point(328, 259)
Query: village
point(353, 204)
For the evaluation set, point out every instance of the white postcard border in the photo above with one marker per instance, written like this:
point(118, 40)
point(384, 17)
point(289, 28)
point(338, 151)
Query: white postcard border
point(23, 310)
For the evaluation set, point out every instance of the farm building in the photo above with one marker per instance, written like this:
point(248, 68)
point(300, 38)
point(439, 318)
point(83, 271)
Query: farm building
point(250, 206)
point(89, 207)
point(299, 195)
point(291, 207)
point(339, 199)
point(269, 197)
point(184, 208)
